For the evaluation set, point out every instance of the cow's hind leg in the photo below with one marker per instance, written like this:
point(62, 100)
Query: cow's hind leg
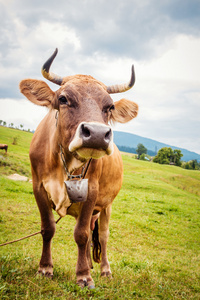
point(103, 239)
point(48, 227)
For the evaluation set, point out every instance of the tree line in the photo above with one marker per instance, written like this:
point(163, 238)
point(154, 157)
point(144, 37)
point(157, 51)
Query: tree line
point(11, 125)
point(173, 157)
point(133, 150)
point(164, 156)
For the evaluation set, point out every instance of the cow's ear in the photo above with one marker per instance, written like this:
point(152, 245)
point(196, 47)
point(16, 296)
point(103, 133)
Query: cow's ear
point(125, 110)
point(37, 91)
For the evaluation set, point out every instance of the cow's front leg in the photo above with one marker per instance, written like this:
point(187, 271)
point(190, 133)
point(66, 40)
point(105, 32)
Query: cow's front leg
point(81, 236)
point(89, 258)
point(103, 239)
point(48, 227)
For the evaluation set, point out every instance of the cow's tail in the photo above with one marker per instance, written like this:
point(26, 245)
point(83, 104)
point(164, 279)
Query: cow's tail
point(96, 243)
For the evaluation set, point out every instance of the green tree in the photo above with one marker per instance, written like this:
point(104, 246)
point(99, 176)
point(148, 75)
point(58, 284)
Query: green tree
point(192, 165)
point(1, 121)
point(15, 140)
point(166, 156)
point(187, 166)
point(143, 156)
point(4, 123)
point(141, 149)
point(177, 157)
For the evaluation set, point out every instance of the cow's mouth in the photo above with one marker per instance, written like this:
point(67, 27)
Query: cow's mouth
point(92, 140)
point(92, 153)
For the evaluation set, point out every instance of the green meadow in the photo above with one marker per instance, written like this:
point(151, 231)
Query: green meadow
point(154, 244)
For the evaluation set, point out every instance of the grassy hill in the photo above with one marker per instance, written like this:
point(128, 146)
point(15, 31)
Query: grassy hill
point(17, 159)
point(154, 242)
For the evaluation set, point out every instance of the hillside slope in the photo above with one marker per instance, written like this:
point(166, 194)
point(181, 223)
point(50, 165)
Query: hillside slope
point(132, 140)
point(153, 245)
point(17, 158)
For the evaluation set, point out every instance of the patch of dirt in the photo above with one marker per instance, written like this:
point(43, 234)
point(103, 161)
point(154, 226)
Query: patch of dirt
point(18, 177)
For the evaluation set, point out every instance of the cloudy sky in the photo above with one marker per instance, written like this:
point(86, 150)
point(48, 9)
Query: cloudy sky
point(104, 38)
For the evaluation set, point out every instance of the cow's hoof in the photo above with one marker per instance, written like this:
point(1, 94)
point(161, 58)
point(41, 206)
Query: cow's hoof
point(48, 275)
point(90, 285)
point(107, 274)
point(84, 283)
point(47, 272)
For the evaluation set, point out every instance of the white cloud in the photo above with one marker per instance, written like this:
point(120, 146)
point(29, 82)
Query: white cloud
point(21, 112)
point(51, 34)
point(103, 39)
point(179, 62)
point(168, 91)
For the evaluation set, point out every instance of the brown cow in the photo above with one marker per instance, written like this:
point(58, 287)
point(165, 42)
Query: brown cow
point(4, 146)
point(75, 130)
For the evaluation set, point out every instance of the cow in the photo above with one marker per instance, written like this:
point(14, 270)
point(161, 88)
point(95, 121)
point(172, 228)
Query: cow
point(76, 138)
point(4, 146)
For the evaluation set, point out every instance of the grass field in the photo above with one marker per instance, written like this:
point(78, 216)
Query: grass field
point(154, 244)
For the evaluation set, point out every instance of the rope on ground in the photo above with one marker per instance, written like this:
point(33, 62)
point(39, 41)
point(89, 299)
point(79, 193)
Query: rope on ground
point(25, 237)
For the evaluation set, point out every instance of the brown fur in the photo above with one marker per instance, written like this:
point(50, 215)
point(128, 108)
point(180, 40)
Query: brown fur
point(4, 146)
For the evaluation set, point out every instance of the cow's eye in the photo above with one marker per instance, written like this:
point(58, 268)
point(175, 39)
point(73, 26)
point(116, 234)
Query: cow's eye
point(112, 107)
point(108, 109)
point(63, 100)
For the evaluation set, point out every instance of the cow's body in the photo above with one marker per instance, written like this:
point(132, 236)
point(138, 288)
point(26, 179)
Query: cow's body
point(77, 125)
point(4, 147)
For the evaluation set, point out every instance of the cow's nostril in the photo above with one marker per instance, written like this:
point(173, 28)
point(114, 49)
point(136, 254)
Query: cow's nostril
point(108, 135)
point(85, 131)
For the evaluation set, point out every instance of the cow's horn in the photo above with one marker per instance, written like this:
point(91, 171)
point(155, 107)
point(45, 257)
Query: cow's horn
point(49, 75)
point(119, 88)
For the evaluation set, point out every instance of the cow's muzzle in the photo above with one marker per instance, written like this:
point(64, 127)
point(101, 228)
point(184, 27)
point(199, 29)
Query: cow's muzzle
point(92, 140)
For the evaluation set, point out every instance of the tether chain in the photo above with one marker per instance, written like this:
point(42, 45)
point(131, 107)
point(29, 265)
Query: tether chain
point(70, 176)
point(66, 169)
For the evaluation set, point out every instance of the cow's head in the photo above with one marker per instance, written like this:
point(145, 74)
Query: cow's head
point(85, 110)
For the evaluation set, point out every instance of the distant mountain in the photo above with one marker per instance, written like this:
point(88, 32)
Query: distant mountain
point(128, 142)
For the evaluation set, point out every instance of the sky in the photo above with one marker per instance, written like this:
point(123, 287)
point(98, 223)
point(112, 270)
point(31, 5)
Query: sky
point(104, 38)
